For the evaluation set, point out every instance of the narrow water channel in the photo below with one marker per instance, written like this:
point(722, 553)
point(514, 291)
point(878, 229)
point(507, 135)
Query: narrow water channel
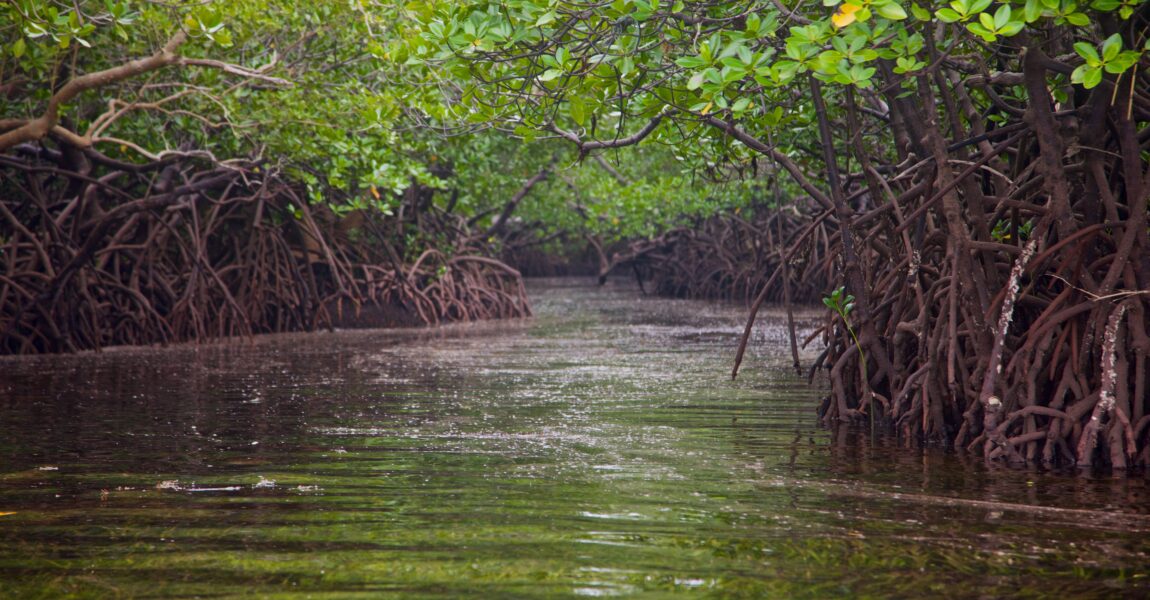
point(597, 449)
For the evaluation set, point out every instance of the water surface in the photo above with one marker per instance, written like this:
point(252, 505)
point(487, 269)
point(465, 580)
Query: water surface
point(598, 449)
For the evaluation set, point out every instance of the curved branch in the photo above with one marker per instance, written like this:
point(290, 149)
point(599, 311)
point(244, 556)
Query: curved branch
point(37, 128)
point(785, 161)
point(630, 140)
point(19, 131)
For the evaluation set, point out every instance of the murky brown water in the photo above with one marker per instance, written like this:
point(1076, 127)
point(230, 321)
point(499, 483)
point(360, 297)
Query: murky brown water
point(598, 449)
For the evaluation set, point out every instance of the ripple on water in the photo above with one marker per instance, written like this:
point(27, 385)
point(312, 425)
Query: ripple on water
point(599, 449)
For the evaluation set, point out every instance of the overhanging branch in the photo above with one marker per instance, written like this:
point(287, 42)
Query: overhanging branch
point(785, 161)
point(588, 146)
point(14, 132)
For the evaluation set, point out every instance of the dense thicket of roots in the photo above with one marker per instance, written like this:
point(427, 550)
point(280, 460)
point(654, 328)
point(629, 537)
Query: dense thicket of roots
point(178, 251)
point(732, 258)
point(1001, 271)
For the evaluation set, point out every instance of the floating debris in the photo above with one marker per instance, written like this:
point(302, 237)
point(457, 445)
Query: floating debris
point(264, 483)
point(175, 486)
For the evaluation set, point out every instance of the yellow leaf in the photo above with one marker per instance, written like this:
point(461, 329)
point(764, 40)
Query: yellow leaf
point(375, 192)
point(707, 108)
point(5, 514)
point(845, 15)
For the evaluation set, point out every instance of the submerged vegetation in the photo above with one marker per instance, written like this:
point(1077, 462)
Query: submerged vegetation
point(973, 174)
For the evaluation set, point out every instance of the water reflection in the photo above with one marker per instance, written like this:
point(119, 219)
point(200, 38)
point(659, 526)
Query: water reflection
point(598, 449)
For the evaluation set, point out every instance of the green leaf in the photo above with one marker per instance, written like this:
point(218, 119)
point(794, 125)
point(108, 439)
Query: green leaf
point(1111, 47)
point(1078, 19)
point(891, 11)
point(577, 110)
point(977, 29)
point(690, 62)
point(862, 75)
point(1092, 79)
point(987, 21)
point(627, 65)
point(35, 30)
point(857, 43)
point(784, 71)
point(222, 38)
point(919, 12)
point(947, 15)
point(906, 65)
point(1122, 62)
point(745, 55)
point(828, 61)
point(696, 80)
point(1012, 28)
point(1001, 17)
point(1087, 52)
point(1032, 11)
point(550, 74)
point(978, 6)
point(1079, 74)
point(528, 134)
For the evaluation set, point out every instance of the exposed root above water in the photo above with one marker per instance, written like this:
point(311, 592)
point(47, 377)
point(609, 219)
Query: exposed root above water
point(1000, 280)
point(176, 251)
point(730, 257)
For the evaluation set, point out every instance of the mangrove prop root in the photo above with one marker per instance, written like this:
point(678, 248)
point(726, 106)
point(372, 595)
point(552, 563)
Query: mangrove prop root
point(732, 258)
point(190, 252)
point(1007, 279)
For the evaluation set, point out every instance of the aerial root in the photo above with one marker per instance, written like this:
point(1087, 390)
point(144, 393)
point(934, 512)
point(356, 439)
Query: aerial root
point(191, 253)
